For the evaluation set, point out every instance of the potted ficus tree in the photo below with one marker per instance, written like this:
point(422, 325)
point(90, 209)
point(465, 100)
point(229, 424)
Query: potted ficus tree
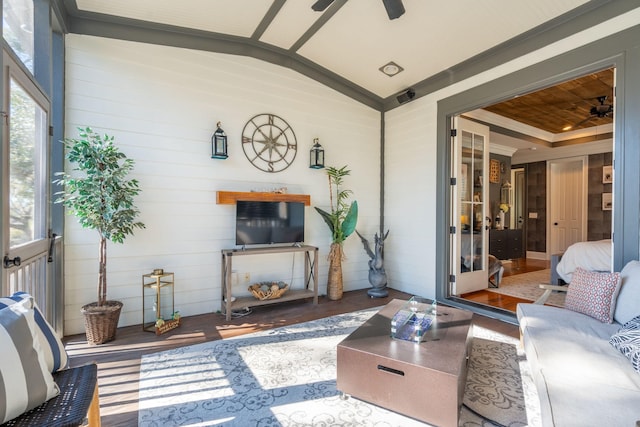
point(99, 194)
point(342, 222)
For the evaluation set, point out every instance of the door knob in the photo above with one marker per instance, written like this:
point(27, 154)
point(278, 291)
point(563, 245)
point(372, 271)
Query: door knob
point(8, 262)
point(555, 223)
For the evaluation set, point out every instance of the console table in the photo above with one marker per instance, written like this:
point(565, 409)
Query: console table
point(229, 304)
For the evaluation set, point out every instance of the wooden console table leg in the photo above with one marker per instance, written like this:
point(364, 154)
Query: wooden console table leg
point(315, 276)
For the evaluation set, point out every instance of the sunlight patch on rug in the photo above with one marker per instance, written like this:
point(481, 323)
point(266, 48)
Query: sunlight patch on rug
point(287, 377)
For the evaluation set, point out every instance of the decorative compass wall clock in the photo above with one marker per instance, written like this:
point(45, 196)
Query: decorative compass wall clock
point(269, 143)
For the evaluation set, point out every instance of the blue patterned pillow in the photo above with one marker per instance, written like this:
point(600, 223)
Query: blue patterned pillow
point(627, 341)
point(51, 346)
point(25, 381)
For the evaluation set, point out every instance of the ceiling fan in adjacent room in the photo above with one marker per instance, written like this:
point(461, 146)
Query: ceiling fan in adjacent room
point(395, 8)
point(600, 110)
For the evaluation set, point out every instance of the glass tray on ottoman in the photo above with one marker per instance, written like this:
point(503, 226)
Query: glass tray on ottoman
point(414, 319)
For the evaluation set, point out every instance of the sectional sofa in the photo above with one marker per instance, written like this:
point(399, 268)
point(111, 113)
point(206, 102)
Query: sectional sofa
point(585, 358)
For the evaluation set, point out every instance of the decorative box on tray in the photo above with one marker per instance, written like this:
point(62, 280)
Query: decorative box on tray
point(414, 319)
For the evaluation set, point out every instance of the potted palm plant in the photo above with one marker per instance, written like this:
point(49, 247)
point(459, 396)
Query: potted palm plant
point(100, 195)
point(342, 222)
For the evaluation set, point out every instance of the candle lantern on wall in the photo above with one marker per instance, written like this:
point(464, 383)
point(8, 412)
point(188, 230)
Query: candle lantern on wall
point(219, 144)
point(316, 155)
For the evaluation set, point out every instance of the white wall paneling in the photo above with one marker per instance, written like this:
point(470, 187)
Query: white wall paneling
point(162, 105)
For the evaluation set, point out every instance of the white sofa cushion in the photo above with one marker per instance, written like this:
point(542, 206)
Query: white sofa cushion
point(25, 380)
point(627, 306)
point(573, 366)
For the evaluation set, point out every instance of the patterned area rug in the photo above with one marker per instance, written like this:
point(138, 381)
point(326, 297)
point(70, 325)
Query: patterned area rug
point(286, 377)
point(525, 286)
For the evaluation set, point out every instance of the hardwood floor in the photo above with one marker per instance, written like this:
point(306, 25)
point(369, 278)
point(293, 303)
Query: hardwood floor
point(119, 361)
point(508, 302)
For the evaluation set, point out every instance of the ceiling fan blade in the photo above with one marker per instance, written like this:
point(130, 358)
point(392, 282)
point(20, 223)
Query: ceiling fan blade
point(395, 8)
point(321, 5)
point(582, 122)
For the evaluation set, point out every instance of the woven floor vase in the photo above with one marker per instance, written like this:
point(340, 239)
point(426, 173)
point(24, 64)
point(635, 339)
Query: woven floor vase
point(101, 322)
point(334, 281)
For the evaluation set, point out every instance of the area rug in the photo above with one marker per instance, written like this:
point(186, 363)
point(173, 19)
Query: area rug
point(287, 377)
point(526, 286)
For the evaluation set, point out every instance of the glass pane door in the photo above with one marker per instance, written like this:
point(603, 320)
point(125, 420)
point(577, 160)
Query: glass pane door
point(25, 189)
point(470, 196)
point(27, 186)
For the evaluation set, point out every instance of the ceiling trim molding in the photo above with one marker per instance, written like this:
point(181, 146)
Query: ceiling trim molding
point(584, 139)
point(109, 26)
point(579, 19)
point(501, 149)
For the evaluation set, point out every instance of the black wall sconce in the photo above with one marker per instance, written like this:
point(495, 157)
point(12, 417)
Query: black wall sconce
point(219, 144)
point(406, 96)
point(316, 155)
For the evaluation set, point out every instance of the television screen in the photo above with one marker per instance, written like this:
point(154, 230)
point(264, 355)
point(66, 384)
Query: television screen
point(269, 222)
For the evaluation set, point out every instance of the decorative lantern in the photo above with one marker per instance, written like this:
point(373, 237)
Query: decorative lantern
point(316, 155)
point(505, 193)
point(219, 144)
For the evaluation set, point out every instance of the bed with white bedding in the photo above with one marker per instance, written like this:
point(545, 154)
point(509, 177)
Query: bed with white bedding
point(592, 256)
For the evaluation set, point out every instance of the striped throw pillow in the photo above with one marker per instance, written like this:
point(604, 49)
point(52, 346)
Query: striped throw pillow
point(25, 380)
point(51, 346)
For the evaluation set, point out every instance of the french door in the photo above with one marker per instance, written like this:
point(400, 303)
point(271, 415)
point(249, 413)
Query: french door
point(25, 183)
point(470, 210)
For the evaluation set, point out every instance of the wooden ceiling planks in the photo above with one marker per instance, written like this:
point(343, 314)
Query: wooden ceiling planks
point(566, 104)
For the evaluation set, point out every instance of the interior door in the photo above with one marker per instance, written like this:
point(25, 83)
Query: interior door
point(567, 207)
point(470, 208)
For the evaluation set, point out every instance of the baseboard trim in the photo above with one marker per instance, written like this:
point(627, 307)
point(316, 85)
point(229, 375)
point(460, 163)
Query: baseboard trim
point(537, 255)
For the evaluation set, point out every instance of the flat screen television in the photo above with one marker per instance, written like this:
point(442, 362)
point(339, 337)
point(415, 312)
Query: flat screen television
point(264, 223)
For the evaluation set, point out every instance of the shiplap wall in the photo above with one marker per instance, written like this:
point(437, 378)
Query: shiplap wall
point(162, 105)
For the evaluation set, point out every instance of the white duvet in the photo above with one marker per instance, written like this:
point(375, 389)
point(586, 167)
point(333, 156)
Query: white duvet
point(592, 256)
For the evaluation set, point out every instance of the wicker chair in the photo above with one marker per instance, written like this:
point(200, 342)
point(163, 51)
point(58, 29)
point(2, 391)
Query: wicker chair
point(76, 405)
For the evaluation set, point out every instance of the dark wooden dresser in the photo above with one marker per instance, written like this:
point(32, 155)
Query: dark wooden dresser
point(506, 244)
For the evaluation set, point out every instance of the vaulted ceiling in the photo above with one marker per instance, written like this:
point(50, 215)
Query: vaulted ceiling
point(347, 45)
point(350, 40)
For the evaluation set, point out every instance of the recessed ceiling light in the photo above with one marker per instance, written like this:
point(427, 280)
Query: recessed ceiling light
point(391, 69)
point(568, 127)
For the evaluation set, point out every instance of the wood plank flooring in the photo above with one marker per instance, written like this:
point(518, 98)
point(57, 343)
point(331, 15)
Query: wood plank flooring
point(119, 361)
point(507, 302)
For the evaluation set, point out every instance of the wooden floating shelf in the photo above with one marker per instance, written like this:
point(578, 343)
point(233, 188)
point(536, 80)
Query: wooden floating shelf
point(230, 197)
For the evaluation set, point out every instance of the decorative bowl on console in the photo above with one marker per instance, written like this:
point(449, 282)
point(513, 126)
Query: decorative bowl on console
point(268, 290)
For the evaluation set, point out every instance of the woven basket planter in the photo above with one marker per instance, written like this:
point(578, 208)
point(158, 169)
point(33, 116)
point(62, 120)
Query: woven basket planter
point(334, 280)
point(101, 322)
